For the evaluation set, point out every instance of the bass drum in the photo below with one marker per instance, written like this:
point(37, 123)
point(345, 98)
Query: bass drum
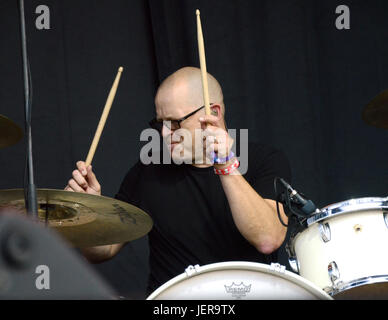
point(238, 280)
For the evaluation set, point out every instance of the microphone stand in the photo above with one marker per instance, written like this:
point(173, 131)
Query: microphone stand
point(30, 196)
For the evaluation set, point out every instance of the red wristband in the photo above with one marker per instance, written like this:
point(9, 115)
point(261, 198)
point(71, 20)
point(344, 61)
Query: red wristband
point(229, 169)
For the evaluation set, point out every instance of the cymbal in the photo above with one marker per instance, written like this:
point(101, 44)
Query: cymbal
point(376, 112)
point(84, 220)
point(10, 132)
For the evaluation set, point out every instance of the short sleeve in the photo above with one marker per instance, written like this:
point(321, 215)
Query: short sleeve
point(264, 164)
point(128, 191)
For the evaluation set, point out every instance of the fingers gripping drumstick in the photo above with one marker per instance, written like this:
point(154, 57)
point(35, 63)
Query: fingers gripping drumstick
point(103, 118)
point(202, 62)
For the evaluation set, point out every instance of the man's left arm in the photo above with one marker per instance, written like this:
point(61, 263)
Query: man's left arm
point(256, 218)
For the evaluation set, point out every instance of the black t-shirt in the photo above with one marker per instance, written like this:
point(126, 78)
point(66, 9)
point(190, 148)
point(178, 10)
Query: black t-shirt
point(192, 220)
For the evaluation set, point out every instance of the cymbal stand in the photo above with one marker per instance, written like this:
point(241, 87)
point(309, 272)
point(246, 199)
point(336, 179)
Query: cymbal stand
point(30, 196)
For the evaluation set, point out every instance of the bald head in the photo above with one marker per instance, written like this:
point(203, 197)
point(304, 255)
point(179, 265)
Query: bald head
point(182, 91)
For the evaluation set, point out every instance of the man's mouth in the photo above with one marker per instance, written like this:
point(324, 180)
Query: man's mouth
point(171, 145)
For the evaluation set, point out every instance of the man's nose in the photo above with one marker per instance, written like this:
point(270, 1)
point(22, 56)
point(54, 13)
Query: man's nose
point(166, 131)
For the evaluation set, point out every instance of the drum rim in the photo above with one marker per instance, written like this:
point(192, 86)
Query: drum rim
point(350, 205)
point(241, 265)
point(357, 283)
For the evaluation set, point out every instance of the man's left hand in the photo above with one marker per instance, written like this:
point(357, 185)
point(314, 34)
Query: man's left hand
point(216, 139)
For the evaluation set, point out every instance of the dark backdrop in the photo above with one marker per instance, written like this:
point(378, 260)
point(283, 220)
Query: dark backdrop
point(289, 76)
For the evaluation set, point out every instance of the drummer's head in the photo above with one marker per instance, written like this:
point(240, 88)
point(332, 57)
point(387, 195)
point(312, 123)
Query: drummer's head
point(181, 94)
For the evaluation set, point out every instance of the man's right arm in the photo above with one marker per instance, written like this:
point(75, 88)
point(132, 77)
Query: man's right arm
point(84, 180)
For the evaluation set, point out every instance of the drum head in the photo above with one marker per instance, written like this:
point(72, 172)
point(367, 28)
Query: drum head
point(238, 280)
point(352, 205)
point(369, 291)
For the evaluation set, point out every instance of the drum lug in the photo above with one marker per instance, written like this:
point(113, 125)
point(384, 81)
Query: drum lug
point(386, 219)
point(190, 270)
point(324, 231)
point(292, 259)
point(334, 274)
point(277, 268)
point(294, 264)
point(328, 290)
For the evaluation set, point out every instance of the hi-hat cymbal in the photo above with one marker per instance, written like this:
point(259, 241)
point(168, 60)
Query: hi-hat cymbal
point(84, 220)
point(10, 132)
point(376, 112)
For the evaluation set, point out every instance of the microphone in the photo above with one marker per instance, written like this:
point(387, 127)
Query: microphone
point(305, 205)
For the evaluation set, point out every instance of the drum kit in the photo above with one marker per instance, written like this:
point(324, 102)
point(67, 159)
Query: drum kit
point(339, 254)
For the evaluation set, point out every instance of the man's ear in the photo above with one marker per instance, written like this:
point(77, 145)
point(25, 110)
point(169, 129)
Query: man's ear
point(215, 110)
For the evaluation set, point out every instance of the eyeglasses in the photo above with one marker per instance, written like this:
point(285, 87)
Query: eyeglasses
point(171, 124)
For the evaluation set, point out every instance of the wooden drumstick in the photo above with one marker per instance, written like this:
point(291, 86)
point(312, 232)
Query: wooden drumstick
point(202, 62)
point(103, 118)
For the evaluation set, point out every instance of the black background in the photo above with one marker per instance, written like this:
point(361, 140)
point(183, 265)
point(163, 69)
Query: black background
point(288, 74)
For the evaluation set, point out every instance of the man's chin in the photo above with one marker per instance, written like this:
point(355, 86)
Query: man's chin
point(178, 154)
point(171, 147)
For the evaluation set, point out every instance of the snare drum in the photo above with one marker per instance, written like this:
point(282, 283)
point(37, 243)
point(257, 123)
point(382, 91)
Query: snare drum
point(344, 249)
point(238, 280)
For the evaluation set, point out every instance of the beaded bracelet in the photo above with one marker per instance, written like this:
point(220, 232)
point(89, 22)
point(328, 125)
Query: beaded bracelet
point(228, 170)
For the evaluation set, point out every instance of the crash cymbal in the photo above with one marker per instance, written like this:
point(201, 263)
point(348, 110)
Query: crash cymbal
point(10, 132)
point(84, 220)
point(376, 112)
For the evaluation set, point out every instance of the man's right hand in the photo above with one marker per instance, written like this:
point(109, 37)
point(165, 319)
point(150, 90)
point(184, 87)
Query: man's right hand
point(84, 180)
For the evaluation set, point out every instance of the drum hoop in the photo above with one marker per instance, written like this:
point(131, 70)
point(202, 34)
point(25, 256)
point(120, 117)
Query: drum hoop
point(357, 283)
point(239, 265)
point(351, 205)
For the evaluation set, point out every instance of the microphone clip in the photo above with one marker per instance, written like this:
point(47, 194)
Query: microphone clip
point(295, 204)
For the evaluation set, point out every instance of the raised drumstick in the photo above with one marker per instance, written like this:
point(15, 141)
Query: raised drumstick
point(103, 118)
point(202, 62)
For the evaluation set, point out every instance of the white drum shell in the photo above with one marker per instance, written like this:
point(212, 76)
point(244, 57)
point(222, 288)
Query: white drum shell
point(251, 281)
point(358, 245)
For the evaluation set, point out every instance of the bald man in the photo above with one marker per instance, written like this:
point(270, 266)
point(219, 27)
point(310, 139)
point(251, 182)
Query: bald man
point(204, 211)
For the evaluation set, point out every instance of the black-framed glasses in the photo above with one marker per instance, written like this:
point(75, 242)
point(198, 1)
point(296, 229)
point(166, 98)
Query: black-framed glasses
point(171, 124)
